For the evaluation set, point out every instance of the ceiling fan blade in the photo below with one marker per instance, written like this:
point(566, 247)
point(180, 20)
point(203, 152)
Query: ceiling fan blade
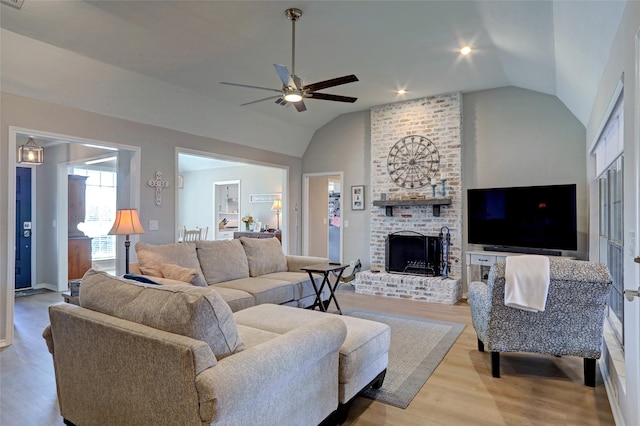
point(282, 101)
point(251, 87)
point(300, 106)
point(330, 83)
point(328, 97)
point(260, 100)
point(285, 76)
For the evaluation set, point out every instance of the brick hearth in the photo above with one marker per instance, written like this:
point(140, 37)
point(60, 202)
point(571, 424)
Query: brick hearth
point(426, 289)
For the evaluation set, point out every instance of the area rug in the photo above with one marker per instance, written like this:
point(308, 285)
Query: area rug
point(417, 347)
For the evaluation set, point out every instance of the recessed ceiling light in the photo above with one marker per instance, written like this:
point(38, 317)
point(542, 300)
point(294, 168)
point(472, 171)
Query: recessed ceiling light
point(465, 50)
point(401, 92)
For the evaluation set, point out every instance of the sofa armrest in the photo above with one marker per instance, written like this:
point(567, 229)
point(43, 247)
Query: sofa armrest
point(246, 381)
point(109, 369)
point(480, 302)
point(295, 263)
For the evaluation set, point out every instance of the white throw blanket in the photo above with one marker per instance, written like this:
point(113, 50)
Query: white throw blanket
point(527, 282)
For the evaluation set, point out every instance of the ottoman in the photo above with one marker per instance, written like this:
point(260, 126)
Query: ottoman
point(363, 356)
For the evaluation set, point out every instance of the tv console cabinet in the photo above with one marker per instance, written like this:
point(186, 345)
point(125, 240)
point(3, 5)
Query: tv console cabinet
point(479, 262)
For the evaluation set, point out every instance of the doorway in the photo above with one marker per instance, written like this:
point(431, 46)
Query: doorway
point(49, 220)
point(255, 185)
point(100, 177)
point(323, 219)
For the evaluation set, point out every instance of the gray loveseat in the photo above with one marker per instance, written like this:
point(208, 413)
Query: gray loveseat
point(143, 354)
point(246, 271)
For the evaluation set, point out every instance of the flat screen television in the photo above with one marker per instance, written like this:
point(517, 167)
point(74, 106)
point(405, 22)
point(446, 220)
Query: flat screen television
point(521, 218)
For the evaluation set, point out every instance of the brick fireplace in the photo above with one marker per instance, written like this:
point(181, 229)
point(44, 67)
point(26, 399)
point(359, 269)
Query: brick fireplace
point(437, 118)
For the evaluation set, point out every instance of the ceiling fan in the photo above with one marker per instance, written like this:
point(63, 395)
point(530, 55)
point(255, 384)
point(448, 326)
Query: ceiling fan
point(293, 90)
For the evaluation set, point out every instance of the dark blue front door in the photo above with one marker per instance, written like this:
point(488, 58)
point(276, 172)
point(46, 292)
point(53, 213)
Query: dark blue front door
point(23, 227)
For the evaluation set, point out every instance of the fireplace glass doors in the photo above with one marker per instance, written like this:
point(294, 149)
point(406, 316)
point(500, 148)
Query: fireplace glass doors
point(409, 252)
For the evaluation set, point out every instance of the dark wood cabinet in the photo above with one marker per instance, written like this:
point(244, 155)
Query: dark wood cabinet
point(79, 249)
point(79, 245)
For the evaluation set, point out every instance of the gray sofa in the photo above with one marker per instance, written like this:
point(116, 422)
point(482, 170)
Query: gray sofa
point(571, 324)
point(246, 271)
point(143, 354)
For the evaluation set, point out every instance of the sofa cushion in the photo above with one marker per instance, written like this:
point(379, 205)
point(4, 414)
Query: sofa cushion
point(222, 260)
point(152, 256)
point(264, 255)
point(363, 354)
point(236, 299)
point(300, 280)
point(263, 290)
point(199, 313)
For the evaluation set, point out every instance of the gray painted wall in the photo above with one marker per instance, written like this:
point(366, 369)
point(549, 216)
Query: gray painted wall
point(511, 137)
point(517, 137)
point(343, 145)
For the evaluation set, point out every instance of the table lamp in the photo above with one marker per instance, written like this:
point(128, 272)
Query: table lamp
point(276, 207)
point(126, 223)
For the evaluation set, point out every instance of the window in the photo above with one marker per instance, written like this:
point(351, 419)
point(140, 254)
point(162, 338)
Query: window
point(100, 204)
point(609, 175)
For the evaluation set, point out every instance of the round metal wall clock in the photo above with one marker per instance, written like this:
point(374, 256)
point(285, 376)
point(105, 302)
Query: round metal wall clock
point(413, 161)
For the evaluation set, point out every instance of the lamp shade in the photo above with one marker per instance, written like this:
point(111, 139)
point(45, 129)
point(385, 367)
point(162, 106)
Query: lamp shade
point(277, 205)
point(127, 222)
point(30, 153)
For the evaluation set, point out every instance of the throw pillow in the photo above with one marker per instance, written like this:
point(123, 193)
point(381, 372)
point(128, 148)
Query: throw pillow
point(199, 313)
point(222, 260)
point(152, 256)
point(264, 255)
point(175, 272)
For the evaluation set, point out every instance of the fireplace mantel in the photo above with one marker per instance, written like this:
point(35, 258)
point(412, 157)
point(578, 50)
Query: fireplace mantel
point(435, 202)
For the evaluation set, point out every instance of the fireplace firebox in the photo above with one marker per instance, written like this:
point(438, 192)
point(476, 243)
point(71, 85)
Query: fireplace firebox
point(409, 252)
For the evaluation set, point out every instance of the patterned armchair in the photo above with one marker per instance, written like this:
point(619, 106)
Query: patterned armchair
point(572, 323)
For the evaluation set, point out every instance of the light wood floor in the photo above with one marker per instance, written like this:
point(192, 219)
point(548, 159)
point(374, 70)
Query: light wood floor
point(533, 390)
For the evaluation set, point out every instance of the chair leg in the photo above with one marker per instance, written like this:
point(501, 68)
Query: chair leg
point(495, 364)
point(590, 372)
point(480, 346)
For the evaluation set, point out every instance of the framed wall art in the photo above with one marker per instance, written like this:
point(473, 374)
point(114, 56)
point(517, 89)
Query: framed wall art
point(357, 197)
point(264, 198)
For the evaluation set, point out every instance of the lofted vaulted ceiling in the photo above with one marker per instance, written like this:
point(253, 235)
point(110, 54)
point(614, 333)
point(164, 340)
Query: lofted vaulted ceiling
point(160, 62)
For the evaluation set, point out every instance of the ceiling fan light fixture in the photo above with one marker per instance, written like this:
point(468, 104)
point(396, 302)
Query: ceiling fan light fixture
point(293, 97)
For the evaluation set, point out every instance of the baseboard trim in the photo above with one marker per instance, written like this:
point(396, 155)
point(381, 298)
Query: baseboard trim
point(618, 417)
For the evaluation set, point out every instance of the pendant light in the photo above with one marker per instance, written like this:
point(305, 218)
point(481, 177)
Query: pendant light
point(30, 153)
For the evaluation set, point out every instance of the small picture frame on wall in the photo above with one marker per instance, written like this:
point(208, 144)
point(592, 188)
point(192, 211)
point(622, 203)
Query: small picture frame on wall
point(357, 197)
